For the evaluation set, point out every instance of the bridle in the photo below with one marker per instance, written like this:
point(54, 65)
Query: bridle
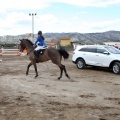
point(30, 49)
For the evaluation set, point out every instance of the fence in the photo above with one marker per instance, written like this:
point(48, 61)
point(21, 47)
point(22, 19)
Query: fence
point(9, 52)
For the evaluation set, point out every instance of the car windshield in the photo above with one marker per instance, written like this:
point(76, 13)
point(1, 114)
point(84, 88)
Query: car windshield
point(112, 49)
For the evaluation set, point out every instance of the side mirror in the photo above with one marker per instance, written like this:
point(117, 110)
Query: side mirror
point(107, 53)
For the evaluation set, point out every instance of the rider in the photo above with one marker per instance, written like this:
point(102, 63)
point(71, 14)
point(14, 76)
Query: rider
point(40, 43)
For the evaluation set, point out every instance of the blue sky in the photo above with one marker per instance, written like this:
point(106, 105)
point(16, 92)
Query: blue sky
point(83, 16)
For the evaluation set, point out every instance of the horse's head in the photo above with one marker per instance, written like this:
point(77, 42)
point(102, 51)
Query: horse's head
point(25, 44)
point(22, 45)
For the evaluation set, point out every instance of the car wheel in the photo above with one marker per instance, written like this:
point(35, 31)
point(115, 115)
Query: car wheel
point(116, 68)
point(80, 64)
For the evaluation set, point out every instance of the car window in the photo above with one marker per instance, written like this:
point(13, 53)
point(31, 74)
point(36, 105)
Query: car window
point(101, 50)
point(112, 49)
point(88, 49)
point(92, 50)
point(83, 49)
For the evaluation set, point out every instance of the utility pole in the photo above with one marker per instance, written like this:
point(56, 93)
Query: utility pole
point(32, 14)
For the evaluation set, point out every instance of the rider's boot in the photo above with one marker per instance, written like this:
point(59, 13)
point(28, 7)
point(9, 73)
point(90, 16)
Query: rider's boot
point(36, 53)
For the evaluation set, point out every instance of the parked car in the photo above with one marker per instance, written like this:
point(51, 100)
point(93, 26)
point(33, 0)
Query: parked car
point(97, 55)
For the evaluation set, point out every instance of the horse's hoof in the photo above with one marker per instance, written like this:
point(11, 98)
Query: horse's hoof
point(68, 76)
point(36, 76)
point(59, 78)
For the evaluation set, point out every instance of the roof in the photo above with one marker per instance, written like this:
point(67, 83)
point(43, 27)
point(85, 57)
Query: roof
point(79, 46)
point(65, 38)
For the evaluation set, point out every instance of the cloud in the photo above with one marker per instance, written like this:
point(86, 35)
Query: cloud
point(50, 23)
point(15, 17)
point(100, 26)
point(92, 3)
point(13, 23)
point(6, 5)
point(16, 23)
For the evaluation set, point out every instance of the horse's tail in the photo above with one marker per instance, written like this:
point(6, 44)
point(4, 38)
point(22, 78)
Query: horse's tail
point(63, 53)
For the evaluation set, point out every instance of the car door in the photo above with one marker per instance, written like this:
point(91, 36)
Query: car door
point(89, 55)
point(103, 59)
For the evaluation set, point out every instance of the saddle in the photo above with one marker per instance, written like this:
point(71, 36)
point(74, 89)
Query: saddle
point(39, 52)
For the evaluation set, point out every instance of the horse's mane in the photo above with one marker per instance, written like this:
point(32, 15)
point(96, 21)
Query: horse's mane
point(29, 41)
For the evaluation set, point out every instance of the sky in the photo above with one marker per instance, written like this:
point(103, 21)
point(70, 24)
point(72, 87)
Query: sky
point(61, 16)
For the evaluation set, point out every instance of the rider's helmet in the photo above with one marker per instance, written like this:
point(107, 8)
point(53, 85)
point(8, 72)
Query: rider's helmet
point(39, 32)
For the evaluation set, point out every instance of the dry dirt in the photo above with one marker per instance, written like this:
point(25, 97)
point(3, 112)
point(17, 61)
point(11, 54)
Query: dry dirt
point(91, 94)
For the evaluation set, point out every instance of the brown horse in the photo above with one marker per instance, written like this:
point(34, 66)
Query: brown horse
point(49, 54)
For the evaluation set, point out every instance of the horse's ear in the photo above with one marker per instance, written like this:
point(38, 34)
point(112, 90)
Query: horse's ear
point(19, 39)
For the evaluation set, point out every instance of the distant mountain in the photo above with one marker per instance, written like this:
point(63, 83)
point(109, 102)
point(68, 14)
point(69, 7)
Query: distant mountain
point(84, 38)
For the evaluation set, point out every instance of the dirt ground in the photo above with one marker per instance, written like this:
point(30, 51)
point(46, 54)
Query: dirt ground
point(90, 94)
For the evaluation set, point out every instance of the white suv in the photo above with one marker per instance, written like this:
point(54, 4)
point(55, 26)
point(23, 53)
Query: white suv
point(97, 55)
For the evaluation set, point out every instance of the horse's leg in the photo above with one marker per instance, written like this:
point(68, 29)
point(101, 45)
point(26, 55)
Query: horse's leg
point(62, 67)
point(35, 66)
point(61, 72)
point(65, 71)
point(28, 68)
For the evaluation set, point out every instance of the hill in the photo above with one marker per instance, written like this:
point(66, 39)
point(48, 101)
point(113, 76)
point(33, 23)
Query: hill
point(84, 38)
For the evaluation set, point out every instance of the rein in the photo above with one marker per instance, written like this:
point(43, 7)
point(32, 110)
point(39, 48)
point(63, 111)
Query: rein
point(30, 51)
